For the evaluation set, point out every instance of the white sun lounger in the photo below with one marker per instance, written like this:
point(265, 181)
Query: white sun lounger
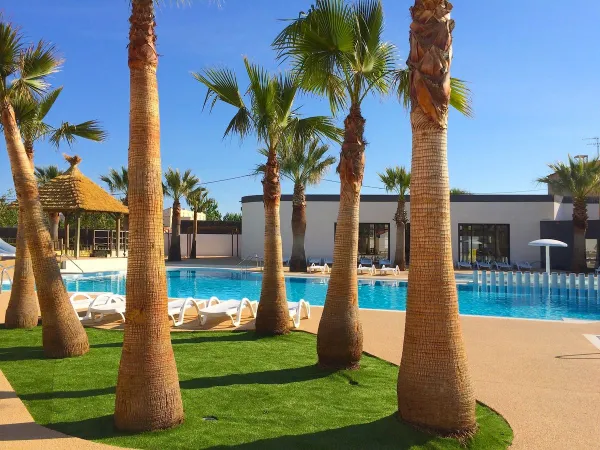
point(227, 308)
point(106, 304)
point(317, 268)
point(178, 306)
point(82, 300)
point(524, 265)
point(295, 309)
point(389, 270)
point(361, 270)
point(482, 265)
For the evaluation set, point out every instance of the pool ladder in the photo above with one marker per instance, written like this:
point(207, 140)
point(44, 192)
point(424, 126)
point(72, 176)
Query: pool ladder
point(254, 258)
point(4, 273)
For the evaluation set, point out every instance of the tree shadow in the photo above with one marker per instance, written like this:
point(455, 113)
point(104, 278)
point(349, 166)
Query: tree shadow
point(91, 429)
point(8, 354)
point(210, 336)
point(67, 394)
point(278, 376)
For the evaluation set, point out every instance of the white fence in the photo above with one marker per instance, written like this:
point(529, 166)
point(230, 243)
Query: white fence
point(208, 244)
point(555, 282)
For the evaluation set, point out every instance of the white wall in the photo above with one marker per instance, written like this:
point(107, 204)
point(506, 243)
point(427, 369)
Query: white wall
point(208, 244)
point(523, 217)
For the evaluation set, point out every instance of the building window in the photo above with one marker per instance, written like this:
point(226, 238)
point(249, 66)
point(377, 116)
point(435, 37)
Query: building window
point(373, 240)
point(484, 242)
point(591, 253)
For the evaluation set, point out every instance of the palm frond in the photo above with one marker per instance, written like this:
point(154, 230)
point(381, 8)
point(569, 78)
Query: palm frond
point(461, 97)
point(35, 64)
point(46, 102)
point(396, 179)
point(68, 132)
point(11, 47)
point(401, 83)
point(117, 182)
point(44, 174)
point(177, 185)
point(320, 127)
point(578, 177)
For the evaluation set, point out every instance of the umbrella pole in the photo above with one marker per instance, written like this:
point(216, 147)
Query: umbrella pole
point(547, 259)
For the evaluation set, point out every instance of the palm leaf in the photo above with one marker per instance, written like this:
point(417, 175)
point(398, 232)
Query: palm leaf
point(36, 63)
point(67, 132)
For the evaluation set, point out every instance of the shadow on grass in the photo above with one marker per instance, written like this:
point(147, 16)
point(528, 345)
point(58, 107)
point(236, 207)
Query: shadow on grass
point(387, 432)
point(21, 353)
point(278, 376)
point(207, 336)
point(67, 394)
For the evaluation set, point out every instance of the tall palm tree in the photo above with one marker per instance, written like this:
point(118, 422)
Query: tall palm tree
point(580, 179)
point(303, 165)
point(148, 395)
point(272, 118)
point(176, 186)
point(397, 179)
point(337, 50)
point(23, 73)
point(434, 385)
point(43, 174)
point(199, 202)
point(118, 183)
point(30, 113)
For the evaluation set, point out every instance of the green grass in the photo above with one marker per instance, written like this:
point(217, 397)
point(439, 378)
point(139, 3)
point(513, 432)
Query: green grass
point(266, 393)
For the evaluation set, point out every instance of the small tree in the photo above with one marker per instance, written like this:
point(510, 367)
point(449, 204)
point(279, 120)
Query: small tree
point(176, 186)
point(579, 179)
point(198, 201)
point(458, 191)
point(232, 217)
point(397, 179)
point(118, 183)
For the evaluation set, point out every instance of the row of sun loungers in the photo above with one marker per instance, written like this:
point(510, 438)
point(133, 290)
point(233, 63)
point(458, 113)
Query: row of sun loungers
point(498, 265)
point(98, 305)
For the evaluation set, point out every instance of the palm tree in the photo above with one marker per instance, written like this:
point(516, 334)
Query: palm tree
point(199, 202)
point(177, 186)
point(337, 51)
point(43, 175)
point(118, 183)
point(23, 73)
point(148, 395)
point(578, 178)
point(397, 179)
point(434, 385)
point(272, 118)
point(303, 165)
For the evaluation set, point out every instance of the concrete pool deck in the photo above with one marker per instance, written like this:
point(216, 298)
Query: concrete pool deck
point(542, 376)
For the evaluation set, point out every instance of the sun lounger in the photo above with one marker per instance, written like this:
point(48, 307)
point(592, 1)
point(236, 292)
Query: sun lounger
point(389, 270)
point(295, 309)
point(479, 265)
point(82, 300)
point(366, 262)
point(328, 261)
point(228, 308)
point(502, 265)
point(318, 268)
point(361, 270)
point(523, 265)
point(462, 265)
point(384, 262)
point(106, 304)
point(178, 306)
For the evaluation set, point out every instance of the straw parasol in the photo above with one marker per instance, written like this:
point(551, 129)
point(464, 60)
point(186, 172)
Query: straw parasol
point(74, 193)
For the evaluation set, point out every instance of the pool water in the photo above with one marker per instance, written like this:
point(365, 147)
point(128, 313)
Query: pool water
point(373, 294)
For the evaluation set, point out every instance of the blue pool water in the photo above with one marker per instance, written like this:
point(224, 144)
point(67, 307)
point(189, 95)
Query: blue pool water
point(374, 294)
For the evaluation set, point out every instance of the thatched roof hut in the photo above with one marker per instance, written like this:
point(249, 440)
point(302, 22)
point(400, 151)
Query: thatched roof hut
point(73, 192)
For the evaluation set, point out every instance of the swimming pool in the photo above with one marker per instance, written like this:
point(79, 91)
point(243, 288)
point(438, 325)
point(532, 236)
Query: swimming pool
point(373, 294)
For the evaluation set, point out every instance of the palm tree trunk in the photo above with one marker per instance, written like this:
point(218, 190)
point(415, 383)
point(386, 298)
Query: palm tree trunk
point(62, 333)
point(272, 316)
point(580, 218)
point(298, 258)
point(195, 232)
point(175, 248)
point(148, 395)
point(340, 338)
point(434, 385)
point(54, 219)
point(22, 310)
point(400, 218)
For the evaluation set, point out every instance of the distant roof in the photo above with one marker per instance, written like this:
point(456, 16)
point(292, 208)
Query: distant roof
point(74, 192)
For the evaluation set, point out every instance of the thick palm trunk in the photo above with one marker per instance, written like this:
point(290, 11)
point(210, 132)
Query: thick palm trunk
point(434, 386)
point(340, 339)
point(22, 310)
point(175, 248)
point(195, 232)
point(62, 333)
point(148, 395)
point(298, 258)
point(272, 317)
point(580, 218)
point(400, 218)
point(54, 219)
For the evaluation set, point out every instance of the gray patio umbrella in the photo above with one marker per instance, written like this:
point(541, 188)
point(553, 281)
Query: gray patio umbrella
point(547, 243)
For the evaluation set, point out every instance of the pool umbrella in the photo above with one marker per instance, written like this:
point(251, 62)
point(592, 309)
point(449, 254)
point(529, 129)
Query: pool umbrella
point(547, 243)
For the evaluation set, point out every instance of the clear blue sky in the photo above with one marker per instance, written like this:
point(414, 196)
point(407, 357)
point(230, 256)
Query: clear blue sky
point(533, 67)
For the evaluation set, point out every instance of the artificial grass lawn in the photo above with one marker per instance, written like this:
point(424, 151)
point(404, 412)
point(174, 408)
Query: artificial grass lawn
point(266, 393)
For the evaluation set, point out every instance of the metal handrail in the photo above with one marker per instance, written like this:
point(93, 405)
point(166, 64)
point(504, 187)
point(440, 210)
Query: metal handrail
point(254, 257)
point(71, 259)
point(4, 272)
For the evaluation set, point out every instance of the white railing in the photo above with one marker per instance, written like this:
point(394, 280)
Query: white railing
point(4, 274)
point(513, 281)
point(244, 263)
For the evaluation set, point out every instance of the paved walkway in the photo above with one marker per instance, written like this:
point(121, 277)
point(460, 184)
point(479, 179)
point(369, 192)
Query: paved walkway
point(542, 376)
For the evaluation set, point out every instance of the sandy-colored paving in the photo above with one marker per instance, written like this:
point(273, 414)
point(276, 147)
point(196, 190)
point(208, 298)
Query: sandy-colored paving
point(543, 376)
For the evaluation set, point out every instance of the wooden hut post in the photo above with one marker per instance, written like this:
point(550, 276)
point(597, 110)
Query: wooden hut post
point(118, 235)
point(67, 233)
point(78, 235)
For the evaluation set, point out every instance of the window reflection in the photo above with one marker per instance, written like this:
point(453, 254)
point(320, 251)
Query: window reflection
point(484, 242)
point(373, 240)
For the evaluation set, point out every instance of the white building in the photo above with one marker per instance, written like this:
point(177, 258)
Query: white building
point(185, 214)
point(484, 227)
